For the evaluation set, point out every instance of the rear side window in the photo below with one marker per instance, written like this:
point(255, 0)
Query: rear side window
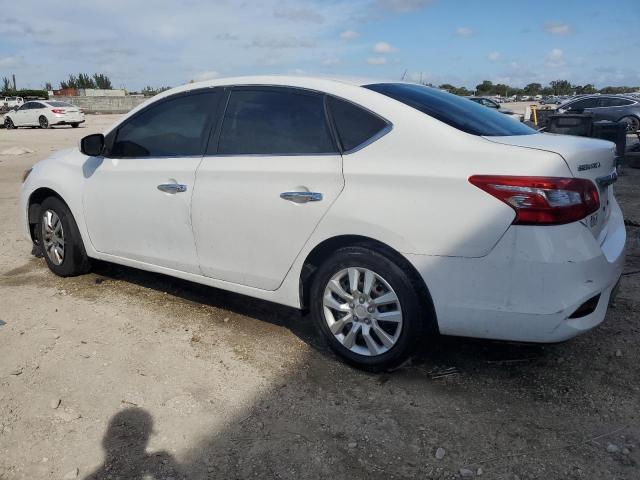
point(582, 104)
point(275, 122)
point(615, 102)
point(355, 125)
point(175, 127)
point(458, 112)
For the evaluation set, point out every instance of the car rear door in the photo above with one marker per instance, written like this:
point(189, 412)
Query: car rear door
point(137, 197)
point(272, 171)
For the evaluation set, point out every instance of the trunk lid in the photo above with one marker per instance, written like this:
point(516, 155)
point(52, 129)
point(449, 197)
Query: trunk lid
point(587, 158)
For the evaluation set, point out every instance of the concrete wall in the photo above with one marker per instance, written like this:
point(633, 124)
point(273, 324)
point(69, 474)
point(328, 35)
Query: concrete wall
point(103, 104)
point(96, 92)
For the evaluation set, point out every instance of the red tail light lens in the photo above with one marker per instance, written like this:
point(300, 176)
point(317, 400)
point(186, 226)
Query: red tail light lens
point(542, 200)
point(57, 110)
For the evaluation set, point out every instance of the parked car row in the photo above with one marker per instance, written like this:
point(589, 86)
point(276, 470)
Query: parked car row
point(615, 108)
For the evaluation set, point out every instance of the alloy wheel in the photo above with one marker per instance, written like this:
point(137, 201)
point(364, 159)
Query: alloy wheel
point(53, 237)
point(8, 123)
point(44, 123)
point(362, 311)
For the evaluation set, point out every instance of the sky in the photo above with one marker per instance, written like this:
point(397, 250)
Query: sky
point(462, 42)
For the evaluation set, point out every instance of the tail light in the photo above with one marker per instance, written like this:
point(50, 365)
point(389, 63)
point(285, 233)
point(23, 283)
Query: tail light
point(542, 200)
point(57, 110)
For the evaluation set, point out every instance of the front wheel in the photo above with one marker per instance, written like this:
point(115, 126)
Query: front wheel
point(367, 308)
point(59, 239)
point(43, 122)
point(633, 123)
point(8, 124)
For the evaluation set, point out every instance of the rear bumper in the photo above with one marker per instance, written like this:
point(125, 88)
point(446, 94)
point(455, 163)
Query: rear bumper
point(529, 285)
point(66, 122)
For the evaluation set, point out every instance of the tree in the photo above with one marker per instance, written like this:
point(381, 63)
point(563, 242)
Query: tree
point(102, 81)
point(48, 87)
point(485, 87)
point(561, 87)
point(533, 89)
point(6, 84)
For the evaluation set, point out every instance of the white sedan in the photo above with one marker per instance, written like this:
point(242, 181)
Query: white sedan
point(391, 211)
point(44, 114)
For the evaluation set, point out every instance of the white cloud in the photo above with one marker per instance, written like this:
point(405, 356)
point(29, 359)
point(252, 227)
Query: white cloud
point(494, 56)
point(376, 60)
point(298, 14)
point(330, 62)
point(383, 47)
point(463, 32)
point(208, 75)
point(555, 58)
point(403, 6)
point(556, 28)
point(349, 35)
point(6, 62)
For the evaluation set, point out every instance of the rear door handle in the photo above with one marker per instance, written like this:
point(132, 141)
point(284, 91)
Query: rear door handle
point(172, 188)
point(301, 197)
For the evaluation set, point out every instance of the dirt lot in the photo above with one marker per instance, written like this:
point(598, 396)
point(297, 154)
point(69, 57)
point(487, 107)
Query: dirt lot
point(122, 374)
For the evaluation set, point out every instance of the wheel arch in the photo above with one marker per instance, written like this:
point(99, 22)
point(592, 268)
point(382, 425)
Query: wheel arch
point(33, 206)
point(324, 249)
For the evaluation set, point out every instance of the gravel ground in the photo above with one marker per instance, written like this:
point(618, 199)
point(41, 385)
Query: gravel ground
point(122, 374)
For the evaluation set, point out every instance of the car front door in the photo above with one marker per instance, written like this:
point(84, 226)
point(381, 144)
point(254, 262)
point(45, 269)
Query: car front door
point(137, 197)
point(271, 173)
point(21, 117)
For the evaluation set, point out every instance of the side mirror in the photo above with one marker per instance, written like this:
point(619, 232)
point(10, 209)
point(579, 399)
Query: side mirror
point(92, 145)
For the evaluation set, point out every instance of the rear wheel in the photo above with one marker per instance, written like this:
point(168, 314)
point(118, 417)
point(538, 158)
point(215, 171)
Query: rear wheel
point(75, 125)
point(8, 123)
point(43, 122)
point(60, 240)
point(633, 123)
point(367, 308)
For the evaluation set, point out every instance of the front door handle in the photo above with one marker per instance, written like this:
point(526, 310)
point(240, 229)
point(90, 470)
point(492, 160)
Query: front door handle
point(172, 188)
point(301, 197)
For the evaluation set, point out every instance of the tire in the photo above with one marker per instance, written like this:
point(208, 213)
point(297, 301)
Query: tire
point(389, 280)
point(633, 123)
point(8, 124)
point(71, 259)
point(75, 125)
point(43, 122)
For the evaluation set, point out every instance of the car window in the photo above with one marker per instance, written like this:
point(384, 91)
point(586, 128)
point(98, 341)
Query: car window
point(60, 104)
point(355, 125)
point(453, 110)
point(25, 106)
point(614, 102)
point(178, 126)
point(36, 105)
point(275, 121)
point(582, 104)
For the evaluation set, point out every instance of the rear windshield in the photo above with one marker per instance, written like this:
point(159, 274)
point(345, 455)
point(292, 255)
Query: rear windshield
point(60, 104)
point(460, 113)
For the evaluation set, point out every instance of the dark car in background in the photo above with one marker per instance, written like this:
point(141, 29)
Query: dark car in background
point(615, 108)
point(490, 103)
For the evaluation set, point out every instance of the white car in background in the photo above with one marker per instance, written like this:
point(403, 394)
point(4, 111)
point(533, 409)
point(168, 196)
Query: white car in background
point(392, 211)
point(44, 114)
point(12, 102)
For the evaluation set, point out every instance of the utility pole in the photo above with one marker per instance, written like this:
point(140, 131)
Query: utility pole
point(14, 81)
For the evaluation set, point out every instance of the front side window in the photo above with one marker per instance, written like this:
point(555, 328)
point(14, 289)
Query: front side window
point(582, 104)
point(177, 126)
point(275, 121)
point(36, 105)
point(458, 112)
point(355, 125)
point(25, 106)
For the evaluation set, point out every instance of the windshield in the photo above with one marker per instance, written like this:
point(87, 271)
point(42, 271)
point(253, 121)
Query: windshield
point(460, 113)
